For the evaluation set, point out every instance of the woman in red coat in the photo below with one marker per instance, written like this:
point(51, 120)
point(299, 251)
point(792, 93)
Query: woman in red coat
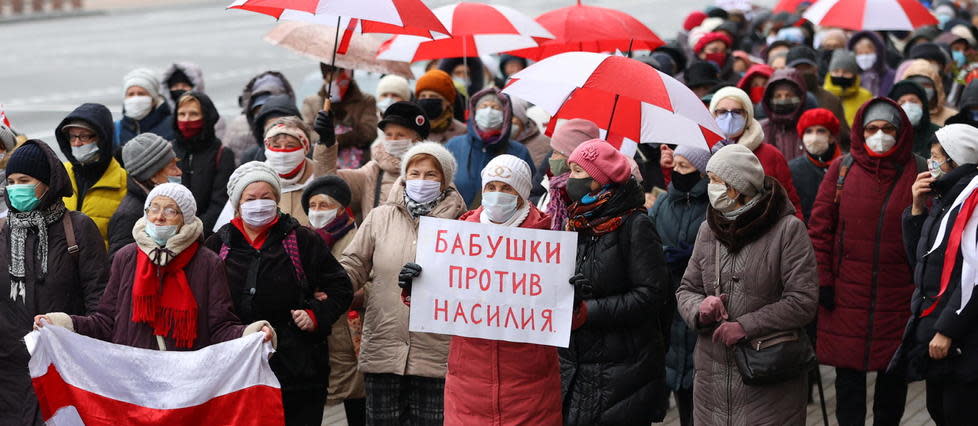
point(494, 382)
point(865, 280)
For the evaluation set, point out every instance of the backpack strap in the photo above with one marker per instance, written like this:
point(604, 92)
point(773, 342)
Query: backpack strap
point(117, 133)
point(70, 235)
point(843, 171)
point(291, 245)
point(217, 158)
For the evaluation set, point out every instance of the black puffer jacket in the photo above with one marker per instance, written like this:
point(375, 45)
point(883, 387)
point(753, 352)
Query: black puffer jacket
point(124, 219)
point(919, 234)
point(301, 361)
point(205, 165)
point(74, 284)
point(613, 370)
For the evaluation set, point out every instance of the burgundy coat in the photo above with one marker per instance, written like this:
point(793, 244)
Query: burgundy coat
point(494, 382)
point(859, 246)
point(216, 322)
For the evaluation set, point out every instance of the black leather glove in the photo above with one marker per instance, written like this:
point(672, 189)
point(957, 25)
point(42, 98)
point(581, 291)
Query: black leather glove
point(582, 288)
point(324, 127)
point(826, 297)
point(409, 272)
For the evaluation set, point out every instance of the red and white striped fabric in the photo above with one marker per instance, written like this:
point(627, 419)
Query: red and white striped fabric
point(368, 16)
point(629, 100)
point(84, 381)
point(476, 29)
point(961, 237)
point(3, 117)
point(874, 15)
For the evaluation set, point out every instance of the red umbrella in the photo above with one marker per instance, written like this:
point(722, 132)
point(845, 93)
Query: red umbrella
point(583, 28)
point(631, 101)
point(873, 15)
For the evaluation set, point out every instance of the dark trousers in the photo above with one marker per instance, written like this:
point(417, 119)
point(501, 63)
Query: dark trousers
point(951, 403)
point(304, 407)
point(889, 400)
point(404, 400)
point(356, 411)
point(684, 404)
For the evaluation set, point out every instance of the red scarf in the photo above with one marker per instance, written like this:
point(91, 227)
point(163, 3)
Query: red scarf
point(174, 312)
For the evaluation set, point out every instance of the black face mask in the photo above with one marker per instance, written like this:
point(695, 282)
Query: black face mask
point(843, 82)
point(432, 107)
point(176, 94)
point(577, 188)
point(684, 182)
point(784, 107)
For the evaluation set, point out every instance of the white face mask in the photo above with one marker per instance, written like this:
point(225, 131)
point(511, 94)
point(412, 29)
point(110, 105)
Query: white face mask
point(85, 154)
point(499, 206)
point(914, 112)
point(259, 212)
point(935, 168)
point(815, 143)
point(880, 143)
point(717, 192)
point(397, 147)
point(514, 131)
point(866, 60)
point(462, 81)
point(488, 118)
point(321, 218)
point(137, 107)
point(422, 190)
point(284, 162)
point(384, 103)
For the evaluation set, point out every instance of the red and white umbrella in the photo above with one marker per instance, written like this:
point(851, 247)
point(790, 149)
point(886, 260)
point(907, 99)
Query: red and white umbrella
point(475, 29)
point(630, 101)
point(873, 15)
point(368, 16)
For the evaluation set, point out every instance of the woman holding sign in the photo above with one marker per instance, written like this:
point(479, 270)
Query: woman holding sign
point(751, 279)
point(613, 371)
point(404, 372)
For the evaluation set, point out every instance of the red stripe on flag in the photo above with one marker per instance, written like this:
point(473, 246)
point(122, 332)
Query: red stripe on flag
point(253, 406)
point(953, 244)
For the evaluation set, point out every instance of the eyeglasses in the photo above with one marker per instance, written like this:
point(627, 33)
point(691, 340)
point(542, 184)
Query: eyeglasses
point(887, 128)
point(168, 212)
point(83, 138)
point(738, 112)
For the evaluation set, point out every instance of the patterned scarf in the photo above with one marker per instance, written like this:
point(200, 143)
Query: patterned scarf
point(336, 229)
point(557, 207)
point(605, 212)
point(417, 209)
point(442, 123)
point(20, 224)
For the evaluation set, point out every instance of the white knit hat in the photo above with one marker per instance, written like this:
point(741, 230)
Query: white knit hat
point(179, 194)
point(739, 168)
point(434, 149)
point(960, 142)
point(249, 173)
point(145, 78)
point(737, 94)
point(394, 84)
point(510, 170)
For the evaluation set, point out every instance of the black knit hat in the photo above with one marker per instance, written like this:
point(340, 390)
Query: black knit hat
point(802, 54)
point(330, 185)
point(702, 73)
point(407, 114)
point(30, 160)
point(931, 52)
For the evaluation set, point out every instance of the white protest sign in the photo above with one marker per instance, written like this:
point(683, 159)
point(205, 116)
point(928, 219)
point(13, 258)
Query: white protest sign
point(494, 282)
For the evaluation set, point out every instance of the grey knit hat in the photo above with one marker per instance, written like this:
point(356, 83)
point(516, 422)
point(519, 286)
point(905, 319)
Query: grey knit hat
point(739, 168)
point(844, 60)
point(179, 194)
point(249, 173)
point(697, 157)
point(145, 155)
point(882, 111)
point(8, 138)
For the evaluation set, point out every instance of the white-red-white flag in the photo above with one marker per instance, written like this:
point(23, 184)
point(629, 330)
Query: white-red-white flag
point(3, 117)
point(84, 381)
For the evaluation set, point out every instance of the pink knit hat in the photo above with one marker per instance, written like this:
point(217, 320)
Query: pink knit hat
point(602, 161)
point(571, 133)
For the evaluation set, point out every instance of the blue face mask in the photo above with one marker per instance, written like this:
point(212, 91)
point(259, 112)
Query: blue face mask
point(174, 179)
point(160, 233)
point(731, 124)
point(959, 57)
point(23, 197)
point(973, 112)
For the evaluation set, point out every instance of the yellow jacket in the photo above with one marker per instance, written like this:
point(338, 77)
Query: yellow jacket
point(852, 98)
point(102, 199)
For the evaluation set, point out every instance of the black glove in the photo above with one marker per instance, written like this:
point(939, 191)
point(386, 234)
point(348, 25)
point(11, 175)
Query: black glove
point(582, 288)
point(826, 297)
point(409, 272)
point(324, 127)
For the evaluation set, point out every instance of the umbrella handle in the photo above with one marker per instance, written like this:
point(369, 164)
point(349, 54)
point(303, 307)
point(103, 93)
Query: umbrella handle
point(332, 64)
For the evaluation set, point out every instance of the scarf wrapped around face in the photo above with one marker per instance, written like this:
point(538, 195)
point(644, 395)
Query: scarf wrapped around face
point(20, 224)
point(608, 210)
point(336, 229)
point(557, 207)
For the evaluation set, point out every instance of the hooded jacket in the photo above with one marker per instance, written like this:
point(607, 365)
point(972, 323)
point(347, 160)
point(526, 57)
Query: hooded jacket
point(275, 106)
point(355, 116)
point(756, 70)
point(97, 188)
point(923, 132)
point(205, 164)
point(196, 77)
point(779, 128)
point(495, 382)
point(939, 112)
point(969, 101)
point(537, 143)
point(74, 284)
point(473, 154)
point(878, 79)
point(158, 122)
point(852, 99)
point(239, 135)
point(476, 74)
point(859, 246)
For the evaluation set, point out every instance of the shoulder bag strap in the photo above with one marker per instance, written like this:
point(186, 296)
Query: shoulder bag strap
point(70, 235)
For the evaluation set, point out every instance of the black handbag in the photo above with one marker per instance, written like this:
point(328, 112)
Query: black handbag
point(774, 358)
